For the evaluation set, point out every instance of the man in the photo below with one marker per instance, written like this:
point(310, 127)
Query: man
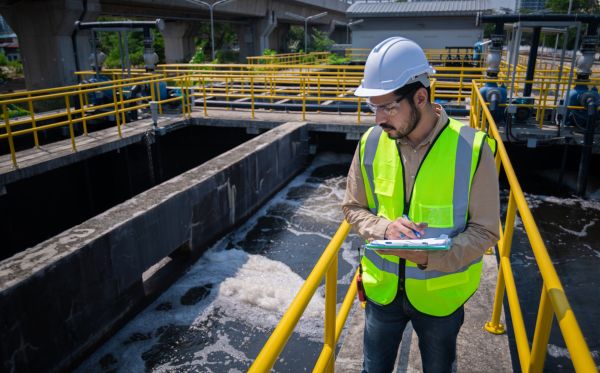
point(421, 174)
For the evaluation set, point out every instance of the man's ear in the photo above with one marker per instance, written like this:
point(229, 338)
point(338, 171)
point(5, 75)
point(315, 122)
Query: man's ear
point(421, 97)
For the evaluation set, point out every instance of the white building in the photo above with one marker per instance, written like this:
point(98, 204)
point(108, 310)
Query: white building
point(432, 24)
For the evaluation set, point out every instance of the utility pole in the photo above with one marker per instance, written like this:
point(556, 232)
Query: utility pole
point(306, 20)
point(348, 25)
point(212, 23)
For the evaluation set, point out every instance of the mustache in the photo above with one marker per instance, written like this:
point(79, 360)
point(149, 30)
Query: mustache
point(386, 126)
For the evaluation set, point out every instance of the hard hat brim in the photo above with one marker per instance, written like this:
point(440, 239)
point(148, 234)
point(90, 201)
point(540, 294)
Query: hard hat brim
point(371, 92)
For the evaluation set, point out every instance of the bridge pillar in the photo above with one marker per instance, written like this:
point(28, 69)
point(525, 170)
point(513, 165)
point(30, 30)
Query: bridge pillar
point(179, 41)
point(47, 39)
point(263, 28)
point(245, 35)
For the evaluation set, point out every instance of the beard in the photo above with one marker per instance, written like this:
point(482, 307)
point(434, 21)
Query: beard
point(415, 118)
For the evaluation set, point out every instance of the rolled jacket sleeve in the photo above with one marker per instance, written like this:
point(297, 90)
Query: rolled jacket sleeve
point(356, 208)
point(482, 230)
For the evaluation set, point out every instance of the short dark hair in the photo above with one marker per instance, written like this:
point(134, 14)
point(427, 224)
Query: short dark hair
point(409, 90)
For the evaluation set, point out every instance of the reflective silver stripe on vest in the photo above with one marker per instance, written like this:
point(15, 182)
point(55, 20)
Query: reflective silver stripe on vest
point(462, 178)
point(368, 158)
point(381, 263)
point(417, 274)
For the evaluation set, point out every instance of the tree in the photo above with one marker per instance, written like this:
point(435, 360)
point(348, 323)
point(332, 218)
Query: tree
point(321, 41)
point(109, 44)
point(579, 6)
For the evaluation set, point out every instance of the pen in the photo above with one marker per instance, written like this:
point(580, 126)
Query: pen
point(414, 231)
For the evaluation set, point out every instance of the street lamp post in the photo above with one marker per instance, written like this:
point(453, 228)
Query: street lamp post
point(306, 19)
point(348, 28)
point(212, 25)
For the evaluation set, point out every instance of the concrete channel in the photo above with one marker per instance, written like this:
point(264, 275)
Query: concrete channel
point(62, 297)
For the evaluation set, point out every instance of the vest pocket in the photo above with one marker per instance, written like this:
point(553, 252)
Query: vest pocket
point(384, 187)
point(438, 216)
point(449, 281)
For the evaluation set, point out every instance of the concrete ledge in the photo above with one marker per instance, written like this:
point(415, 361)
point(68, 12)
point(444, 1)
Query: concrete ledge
point(62, 296)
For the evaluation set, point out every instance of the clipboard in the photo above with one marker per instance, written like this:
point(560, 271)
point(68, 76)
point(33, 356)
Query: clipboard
point(430, 244)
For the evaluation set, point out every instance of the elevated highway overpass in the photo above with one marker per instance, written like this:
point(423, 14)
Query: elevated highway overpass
point(52, 49)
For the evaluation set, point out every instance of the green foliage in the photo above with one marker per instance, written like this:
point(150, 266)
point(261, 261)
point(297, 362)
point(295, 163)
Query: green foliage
point(9, 68)
point(579, 6)
point(16, 111)
point(269, 52)
point(295, 39)
point(334, 59)
point(225, 39)
point(488, 30)
point(321, 42)
point(199, 56)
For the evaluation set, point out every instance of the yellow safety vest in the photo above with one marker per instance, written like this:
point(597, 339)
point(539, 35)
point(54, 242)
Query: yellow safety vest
point(440, 197)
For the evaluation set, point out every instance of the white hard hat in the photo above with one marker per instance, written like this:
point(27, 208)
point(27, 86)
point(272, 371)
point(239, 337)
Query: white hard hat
point(392, 64)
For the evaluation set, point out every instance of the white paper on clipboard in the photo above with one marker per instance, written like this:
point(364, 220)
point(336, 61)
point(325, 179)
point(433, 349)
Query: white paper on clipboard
point(440, 243)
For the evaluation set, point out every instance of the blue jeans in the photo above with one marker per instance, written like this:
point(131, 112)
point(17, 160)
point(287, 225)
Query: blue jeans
point(384, 326)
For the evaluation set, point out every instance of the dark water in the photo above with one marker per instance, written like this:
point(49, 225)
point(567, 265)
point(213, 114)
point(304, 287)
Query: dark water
point(570, 228)
point(219, 314)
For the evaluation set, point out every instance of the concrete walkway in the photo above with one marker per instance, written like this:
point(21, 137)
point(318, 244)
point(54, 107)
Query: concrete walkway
point(477, 350)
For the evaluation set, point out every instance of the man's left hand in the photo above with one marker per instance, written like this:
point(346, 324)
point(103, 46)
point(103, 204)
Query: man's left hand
point(415, 256)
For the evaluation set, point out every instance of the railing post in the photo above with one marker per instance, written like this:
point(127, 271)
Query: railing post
point(541, 335)
point(204, 94)
point(358, 110)
point(330, 309)
point(70, 120)
point(303, 88)
point(117, 117)
point(252, 96)
point(11, 144)
point(33, 125)
point(82, 108)
point(504, 246)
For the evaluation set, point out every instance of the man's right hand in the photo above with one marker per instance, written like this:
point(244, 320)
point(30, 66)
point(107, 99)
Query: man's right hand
point(403, 228)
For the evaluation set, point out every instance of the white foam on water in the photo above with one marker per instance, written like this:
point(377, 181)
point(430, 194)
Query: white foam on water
point(595, 252)
point(251, 289)
point(556, 351)
point(535, 200)
point(582, 232)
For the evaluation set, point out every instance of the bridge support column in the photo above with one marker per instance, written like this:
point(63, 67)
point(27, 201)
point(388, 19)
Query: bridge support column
point(263, 29)
point(179, 41)
point(245, 37)
point(47, 39)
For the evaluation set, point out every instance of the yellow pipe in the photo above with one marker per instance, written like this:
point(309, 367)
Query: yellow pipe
point(271, 350)
point(542, 333)
point(69, 120)
point(11, 144)
point(35, 135)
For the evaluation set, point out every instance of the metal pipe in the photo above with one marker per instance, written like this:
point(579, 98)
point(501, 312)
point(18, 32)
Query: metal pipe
point(158, 23)
point(573, 58)
point(509, 18)
point(531, 62)
point(588, 142)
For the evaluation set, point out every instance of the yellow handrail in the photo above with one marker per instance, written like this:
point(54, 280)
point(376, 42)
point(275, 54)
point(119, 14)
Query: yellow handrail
point(326, 266)
point(553, 300)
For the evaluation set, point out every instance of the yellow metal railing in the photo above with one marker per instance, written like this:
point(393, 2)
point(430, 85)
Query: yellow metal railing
point(290, 58)
point(326, 267)
point(553, 300)
point(74, 107)
point(248, 86)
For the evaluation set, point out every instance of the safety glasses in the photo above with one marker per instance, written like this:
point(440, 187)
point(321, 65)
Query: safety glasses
point(388, 109)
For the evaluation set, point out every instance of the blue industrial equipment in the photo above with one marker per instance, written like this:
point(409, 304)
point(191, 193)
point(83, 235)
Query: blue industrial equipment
point(576, 97)
point(496, 96)
point(478, 50)
point(100, 96)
